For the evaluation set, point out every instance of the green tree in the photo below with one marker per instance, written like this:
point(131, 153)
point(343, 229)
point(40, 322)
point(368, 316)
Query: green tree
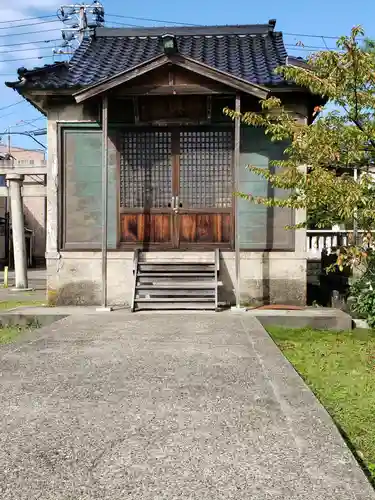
point(317, 171)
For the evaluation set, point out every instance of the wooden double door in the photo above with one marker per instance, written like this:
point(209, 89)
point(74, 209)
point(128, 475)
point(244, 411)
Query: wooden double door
point(176, 187)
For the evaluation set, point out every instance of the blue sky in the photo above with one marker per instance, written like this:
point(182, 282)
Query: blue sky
point(22, 45)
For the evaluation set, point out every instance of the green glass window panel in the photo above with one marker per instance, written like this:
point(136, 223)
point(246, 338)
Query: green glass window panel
point(261, 227)
point(82, 189)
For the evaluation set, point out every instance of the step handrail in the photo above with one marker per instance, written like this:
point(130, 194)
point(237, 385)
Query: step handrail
point(135, 274)
point(217, 271)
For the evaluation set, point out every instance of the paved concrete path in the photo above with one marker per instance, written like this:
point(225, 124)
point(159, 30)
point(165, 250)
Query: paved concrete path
point(164, 407)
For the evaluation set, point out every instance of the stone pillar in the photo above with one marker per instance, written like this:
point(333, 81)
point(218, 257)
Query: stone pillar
point(52, 252)
point(18, 230)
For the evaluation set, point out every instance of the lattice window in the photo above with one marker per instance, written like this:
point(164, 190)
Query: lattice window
point(146, 169)
point(206, 169)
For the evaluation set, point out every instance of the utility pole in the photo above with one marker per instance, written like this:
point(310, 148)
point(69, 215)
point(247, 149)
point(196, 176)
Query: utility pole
point(80, 21)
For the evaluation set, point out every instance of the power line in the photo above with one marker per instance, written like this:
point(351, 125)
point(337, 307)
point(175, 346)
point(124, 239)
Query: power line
point(125, 24)
point(25, 59)
point(28, 33)
point(330, 37)
point(28, 134)
point(190, 24)
point(10, 105)
point(150, 20)
point(12, 113)
point(315, 36)
point(296, 47)
point(22, 123)
point(49, 16)
point(308, 47)
point(135, 25)
point(8, 114)
point(29, 43)
point(32, 24)
point(301, 47)
point(325, 43)
point(25, 50)
point(26, 19)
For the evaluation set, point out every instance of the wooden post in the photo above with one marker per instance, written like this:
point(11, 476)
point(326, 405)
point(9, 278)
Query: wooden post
point(237, 141)
point(104, 306)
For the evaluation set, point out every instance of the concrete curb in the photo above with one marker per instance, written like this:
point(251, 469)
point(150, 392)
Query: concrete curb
point(316, 435)
point(20, 319)
point(317, 318)
point(320, 319)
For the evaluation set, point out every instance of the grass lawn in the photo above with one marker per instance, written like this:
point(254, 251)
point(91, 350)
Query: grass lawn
point(340, 370)
point(10, 333)
point(11, 304)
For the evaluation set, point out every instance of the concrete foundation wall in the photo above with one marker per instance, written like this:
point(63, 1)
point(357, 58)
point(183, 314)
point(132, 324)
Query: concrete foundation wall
point(279, 277)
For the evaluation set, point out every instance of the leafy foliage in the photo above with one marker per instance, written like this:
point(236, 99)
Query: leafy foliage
point(329, 165)
point(362, 292)
point(319, 162)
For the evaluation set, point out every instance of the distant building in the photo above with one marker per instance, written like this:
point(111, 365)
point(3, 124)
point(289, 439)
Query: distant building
point(34, 207)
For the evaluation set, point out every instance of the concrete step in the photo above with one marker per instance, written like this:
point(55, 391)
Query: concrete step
point(178, 286)
point(175, 299)
point(192, 267)
point(173, 306)
point(173, 275)
point(181, 281)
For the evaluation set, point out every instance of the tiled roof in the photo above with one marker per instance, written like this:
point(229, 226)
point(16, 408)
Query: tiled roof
point(250, 52)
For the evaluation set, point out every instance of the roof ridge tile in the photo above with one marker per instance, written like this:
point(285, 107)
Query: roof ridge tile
point(251, 56)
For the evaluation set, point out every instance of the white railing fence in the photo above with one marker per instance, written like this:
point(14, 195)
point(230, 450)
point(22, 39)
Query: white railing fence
point(326, 239)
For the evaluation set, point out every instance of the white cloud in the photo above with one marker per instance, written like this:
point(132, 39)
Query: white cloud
point(28, 6)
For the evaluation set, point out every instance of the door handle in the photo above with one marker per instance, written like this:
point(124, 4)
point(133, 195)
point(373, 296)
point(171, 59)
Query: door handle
point(173, 203)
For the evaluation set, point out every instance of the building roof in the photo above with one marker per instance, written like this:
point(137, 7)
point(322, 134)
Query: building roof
point(249, 52)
